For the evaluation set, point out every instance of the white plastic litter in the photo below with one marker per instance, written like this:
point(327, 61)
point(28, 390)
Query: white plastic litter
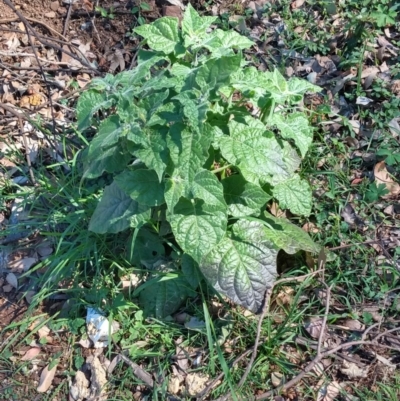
point(98, 327)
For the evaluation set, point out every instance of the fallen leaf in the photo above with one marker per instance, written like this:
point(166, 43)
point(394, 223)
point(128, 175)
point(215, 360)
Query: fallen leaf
point(7, 288)
point(22, 265)
point(31, 354)
point(353, 371)
point(174, 385)
point(314, 327)
point(394, 127)
point(329, 391)
point(11, 279)
point(195, 383)
point(276, 379)
point(353, 324)
point(297, 4)
point(382, 176)
point(46, 378)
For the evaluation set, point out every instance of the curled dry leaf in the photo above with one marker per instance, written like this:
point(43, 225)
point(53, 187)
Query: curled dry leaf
point(314, 327)
point(46, 378)
point(174, 385)
point(382, 176)
point(277, 379)
point(353, 371)
point(329, 391)
point(195, 383)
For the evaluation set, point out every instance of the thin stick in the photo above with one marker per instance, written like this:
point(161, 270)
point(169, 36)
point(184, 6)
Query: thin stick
point(298, 278)
point(7, 20)
point(323, 325)
point(138, 371)
point(265, 310)
point(67, 19)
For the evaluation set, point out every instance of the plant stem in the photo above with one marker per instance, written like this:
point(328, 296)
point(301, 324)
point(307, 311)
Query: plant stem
point(218, 170)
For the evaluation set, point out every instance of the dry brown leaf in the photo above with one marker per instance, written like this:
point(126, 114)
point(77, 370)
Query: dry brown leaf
point(31, 354)
point(11, 279)
point(195, 383)
point(329, 392)
point(174, 385)
point(277, 379)
point(46, 378)
point(353, 371)
point(383, 177)
point(310, 228)
point(87, 5)
point(297, 4)
point(314, 327)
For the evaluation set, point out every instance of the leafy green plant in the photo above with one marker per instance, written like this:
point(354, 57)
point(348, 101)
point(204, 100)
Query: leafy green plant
point(106, 13)
point(196, 142)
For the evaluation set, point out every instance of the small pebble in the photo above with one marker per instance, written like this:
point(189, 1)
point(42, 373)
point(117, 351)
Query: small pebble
point(54, 5)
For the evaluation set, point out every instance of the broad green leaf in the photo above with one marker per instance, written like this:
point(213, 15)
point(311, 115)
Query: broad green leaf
point(193, 111)
point(159, 82)
point(89, 103)
point(294, 126)
point(294, 194)
point(167, 113)
point(206, 186)
point(146, 248)
point(233, 40)
point(112, 160)
point(285, 235)
point(174, 188)
point(193, 25)
point(153, 152)
point(298, 87)
point(104, 153)
point(142, 185)
point(162, 35)
point(153, 102)
point(116, 212)
point(165, 295)
point(188, 150)
point(243, 265)
point(251, 82)
point(109, 132)
point(190, 270)
point(217, 71)
point(243, 198)
point(253, 150)
point(197, 226)
point(136, 76)
point(279, 81)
